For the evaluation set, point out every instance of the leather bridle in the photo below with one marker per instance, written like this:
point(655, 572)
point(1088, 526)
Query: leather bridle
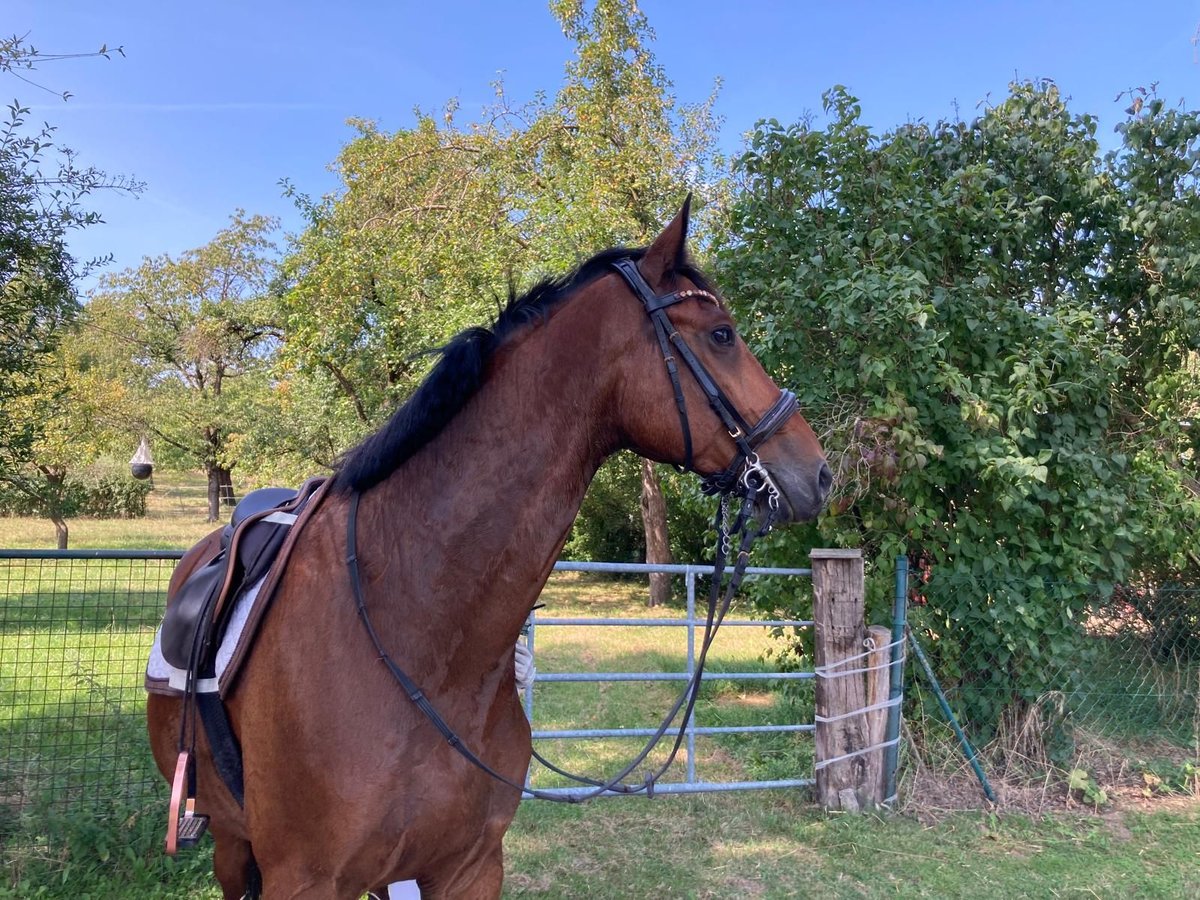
point(747, 438)
point(745, 477)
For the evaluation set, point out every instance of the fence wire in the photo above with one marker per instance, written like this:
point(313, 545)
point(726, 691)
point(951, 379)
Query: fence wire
point(1093, 660)
point(74, 636)
point(75, 633)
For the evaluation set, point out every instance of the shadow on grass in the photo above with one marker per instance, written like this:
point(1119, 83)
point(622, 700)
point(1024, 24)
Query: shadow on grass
point(82, 753)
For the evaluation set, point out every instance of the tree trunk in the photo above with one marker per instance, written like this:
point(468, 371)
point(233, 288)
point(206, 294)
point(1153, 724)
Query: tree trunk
point(56, 501)
point(654, 522)
point(220, 491)
point(214, 494)
point(60, 531)
point(228, 498)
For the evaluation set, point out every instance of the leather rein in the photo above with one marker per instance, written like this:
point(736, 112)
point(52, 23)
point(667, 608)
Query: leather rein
point(744, 478)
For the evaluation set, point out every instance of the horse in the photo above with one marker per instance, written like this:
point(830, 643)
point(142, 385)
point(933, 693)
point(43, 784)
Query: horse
point(462, 502)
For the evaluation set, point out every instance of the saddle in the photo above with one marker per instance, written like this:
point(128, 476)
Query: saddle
point(253, 550)
point(196, 616)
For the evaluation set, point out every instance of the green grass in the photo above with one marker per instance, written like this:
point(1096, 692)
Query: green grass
point(642, 704)
point(774, 845)
point(754, 845)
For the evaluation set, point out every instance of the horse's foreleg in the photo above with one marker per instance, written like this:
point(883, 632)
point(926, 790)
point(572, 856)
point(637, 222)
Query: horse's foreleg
point(479, 877)
point(234, 866)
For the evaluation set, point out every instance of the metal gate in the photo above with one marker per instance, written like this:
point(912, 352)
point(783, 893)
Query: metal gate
point(692, 783)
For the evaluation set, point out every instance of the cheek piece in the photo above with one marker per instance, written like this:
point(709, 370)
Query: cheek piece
point(745, 471)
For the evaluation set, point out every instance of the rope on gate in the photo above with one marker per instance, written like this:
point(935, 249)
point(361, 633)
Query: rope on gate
point(837, 759)
point(895, 701)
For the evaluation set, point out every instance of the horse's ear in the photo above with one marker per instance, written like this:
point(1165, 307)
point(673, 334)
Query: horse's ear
point(669, 251)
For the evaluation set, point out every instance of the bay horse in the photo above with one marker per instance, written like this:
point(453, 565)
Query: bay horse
point(464, 500)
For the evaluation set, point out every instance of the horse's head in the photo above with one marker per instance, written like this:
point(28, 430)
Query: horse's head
point(696, 396)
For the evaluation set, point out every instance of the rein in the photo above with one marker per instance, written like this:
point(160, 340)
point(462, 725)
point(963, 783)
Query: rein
point(745, 477)
point(718, 605)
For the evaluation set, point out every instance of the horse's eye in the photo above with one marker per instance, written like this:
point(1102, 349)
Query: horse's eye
point(723, 336)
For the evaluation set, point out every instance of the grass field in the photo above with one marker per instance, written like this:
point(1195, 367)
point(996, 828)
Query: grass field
point(175, 519)
point(70, 686)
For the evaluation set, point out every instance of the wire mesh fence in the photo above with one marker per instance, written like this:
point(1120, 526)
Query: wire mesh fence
point(1122, 663)
point(75, 633)
point(1141, 672)
point(74, 636)
point(1113, 662)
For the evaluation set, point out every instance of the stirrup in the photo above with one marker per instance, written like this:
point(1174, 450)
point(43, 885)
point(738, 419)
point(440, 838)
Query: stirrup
point(184, 826)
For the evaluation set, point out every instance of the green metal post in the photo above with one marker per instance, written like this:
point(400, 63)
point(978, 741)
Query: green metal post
point(967, 749)
point(891, 754)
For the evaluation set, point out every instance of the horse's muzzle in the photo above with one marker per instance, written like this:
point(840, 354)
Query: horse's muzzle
point(803, 490)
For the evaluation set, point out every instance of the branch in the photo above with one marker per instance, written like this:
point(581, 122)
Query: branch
point(188, 450)
point(345, 384)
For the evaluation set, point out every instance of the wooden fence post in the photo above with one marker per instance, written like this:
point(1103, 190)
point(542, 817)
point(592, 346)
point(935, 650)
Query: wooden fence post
point(838, 612)
point(879, 685)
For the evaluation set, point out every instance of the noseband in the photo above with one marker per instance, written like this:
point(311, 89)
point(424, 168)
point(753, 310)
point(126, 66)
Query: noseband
point(745, 470)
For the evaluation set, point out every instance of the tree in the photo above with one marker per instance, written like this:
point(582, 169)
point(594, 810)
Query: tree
point(616, 153)
point(42, 195)
point(74, 412)
point(195, 336)
point(988, 320)
point(419, 243)
point(437, 221)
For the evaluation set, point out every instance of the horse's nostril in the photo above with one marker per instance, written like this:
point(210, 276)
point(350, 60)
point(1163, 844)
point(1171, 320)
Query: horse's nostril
point(824, 481)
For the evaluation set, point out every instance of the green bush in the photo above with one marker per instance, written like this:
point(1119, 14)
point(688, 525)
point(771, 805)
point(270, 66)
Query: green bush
point(993, 325)
point(96, 495)
point(109, 496)
point(609, 525)
point(15, 502)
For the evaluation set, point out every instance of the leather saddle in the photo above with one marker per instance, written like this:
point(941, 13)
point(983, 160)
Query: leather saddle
point(196, 616)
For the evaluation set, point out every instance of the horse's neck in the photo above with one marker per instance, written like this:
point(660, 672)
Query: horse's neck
point(475, 520)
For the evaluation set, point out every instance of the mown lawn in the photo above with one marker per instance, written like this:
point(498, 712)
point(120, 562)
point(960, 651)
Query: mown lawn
point(176, 510)
point(70, 688)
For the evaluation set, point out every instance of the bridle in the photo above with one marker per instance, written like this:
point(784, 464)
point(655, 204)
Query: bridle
point(745, 478)
point(746, 438)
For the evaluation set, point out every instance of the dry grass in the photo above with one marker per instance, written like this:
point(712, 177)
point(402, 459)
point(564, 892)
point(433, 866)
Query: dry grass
point(1135, 775)
point(176, 518)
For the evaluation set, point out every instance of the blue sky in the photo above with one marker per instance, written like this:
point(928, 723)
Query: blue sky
point(215, 102)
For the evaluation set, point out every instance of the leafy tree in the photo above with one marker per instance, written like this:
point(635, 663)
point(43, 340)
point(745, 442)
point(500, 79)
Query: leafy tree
point(418, 244)
point(615, 155)
point(43, 191)
point(73, 411)
point(988, 320)
point(193, 337)
point(437, 221)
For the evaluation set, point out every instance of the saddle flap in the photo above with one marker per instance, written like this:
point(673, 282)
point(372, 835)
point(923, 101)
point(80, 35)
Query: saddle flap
point(187, 610)
point(192, 624)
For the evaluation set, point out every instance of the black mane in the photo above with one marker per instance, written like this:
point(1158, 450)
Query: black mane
point(459, 374)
